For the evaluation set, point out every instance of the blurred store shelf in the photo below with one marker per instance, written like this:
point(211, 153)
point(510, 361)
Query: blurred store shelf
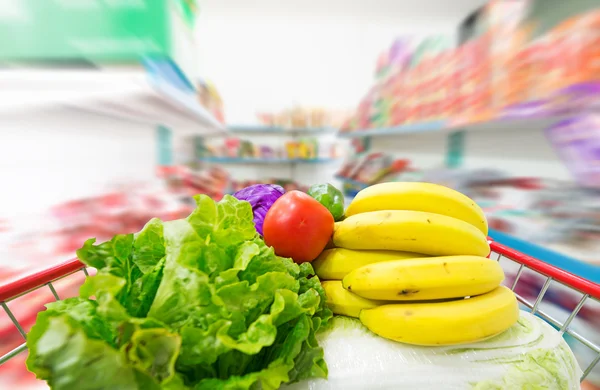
point(536, 122)
point(235, 160)
point(570, 264)
point(424, 127)
point(352, 182)
point(131, 94)
point(282, 131)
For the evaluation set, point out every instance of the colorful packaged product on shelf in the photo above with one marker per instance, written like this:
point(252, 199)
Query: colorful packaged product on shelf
point(577, 142)
point(510, 79)
point(291, 149)
point(398, 111)
point(412, 99)
point(307, 149)
point(519, 76)
point(372, 168)
point(365, 108)
point(382, 67)
point(209, 97)
point(476, 80)
point(426, 68)
point(568, 39)
point(443, 85)
point(438, 85)
point(232, 147)
point(450, 87)
point(399, 55)
point(297, 118)
point(578, 63)
point(590, 47)
point(397, 114)
point(535, 65)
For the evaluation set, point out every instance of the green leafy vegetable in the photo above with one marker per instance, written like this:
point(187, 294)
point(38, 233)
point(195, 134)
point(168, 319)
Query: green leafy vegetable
point(530, 355)
point(330, 197)
point(197, 303)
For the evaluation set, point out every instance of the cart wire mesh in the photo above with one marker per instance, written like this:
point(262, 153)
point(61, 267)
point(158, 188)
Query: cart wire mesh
point(499, 252)
point(589, 291)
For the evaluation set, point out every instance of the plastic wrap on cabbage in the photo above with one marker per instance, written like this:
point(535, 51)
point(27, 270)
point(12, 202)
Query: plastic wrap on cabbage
point(261, 197)
point(196, 303)
point(530, 355)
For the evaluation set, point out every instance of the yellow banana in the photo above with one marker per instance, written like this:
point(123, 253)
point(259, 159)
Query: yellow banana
point(425, 279)
point(334, 264)
point(432, 198)
point(343, 302)
point(446, 323)
point(410, 231)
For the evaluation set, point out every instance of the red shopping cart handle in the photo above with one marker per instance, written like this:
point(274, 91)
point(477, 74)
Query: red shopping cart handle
point(567, 278)
point(32, 281)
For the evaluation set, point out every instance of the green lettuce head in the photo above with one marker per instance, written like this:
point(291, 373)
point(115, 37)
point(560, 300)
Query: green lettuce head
point(196, 303)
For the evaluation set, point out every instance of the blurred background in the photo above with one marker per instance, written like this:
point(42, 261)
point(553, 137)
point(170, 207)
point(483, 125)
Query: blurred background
point(116, 111)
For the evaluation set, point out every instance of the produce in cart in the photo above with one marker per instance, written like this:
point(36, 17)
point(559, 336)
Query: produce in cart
point(199, 303)
point(205, 303)
point(530, 355)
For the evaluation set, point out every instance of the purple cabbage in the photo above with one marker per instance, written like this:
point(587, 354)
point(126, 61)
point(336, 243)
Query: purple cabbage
point(261, 197)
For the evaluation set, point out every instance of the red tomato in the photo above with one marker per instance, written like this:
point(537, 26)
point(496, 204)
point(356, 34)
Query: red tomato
point(298, 226)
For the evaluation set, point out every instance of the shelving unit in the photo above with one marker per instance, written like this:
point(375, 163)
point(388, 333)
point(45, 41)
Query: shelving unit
point(280, 131)
point(265, 132)
point(233, 160)
point(134, 95)
point(345, 180)
point(448, 127)
point(412, 128)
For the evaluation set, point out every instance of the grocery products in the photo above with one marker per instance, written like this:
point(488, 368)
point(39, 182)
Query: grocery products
point(194, 303)
point(530, 353)
point(576, 141)
point(303, 117)
point(411, 231)
point(261, 197)
point(209, 97)
point(425, 278)
point(504, 67)
point(335, 263)
point(372, 167)
point(233, 147)
point(298, 226)
point(428, 197)
point(445, 323)
point(342, 301)
point(211, 181)
point(295, 117)
point(330, 197)
point(383, 255)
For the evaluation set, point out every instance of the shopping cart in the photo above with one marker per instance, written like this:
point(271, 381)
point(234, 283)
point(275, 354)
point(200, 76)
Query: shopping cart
point(589, 291)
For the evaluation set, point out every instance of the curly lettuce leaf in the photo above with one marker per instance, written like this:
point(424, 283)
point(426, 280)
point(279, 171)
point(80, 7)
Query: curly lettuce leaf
point(137, 259)
point(196, 303)
point(61, 353)
point(72, 346)
point(149, 246)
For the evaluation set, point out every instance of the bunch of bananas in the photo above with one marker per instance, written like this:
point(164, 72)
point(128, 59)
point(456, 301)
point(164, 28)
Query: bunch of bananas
point(410, 260)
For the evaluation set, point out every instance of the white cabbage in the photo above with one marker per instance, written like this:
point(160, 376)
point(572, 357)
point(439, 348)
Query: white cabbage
point(529, 356)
